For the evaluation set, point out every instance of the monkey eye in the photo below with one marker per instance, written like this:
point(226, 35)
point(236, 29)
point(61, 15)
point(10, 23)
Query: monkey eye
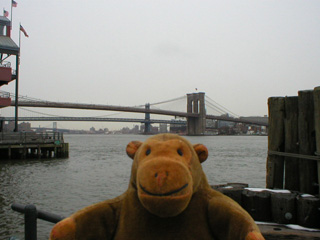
point(148, 151)
point(179, 151)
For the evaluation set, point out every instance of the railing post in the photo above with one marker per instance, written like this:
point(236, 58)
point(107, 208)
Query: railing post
point(30, 222)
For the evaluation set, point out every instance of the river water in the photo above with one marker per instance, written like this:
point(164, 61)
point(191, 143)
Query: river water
point(98, 169)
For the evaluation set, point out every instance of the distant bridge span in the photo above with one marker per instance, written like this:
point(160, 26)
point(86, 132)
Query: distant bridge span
point(102, 107)
point(92, 119)
point(126, 109)
point(237, 120)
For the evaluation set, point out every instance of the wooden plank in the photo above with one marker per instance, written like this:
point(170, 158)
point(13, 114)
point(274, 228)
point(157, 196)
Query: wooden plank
point(291, 143)
point(283, 207)
point(308, 212)
point(257, 204)
point(275, 167)
point(316, 100)
point(232, 190)
point(308, 169)
point(274, 232)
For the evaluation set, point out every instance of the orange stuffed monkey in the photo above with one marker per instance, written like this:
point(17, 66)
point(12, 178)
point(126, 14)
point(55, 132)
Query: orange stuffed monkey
point(168, 198)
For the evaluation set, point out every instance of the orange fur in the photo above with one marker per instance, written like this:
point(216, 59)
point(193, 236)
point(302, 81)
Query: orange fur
point(254, 236)
point(65, 229)
point(168, 198)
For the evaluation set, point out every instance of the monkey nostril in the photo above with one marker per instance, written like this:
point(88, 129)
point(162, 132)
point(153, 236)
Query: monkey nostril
point(156, 175)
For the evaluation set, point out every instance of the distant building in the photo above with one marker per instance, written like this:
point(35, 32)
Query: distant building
point(263, 119)
point(135, 129)
point(178, 128)
point(163, 128)
point(23, 127)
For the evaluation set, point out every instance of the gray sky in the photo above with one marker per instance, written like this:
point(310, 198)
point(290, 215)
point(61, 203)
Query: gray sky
point(128, 52)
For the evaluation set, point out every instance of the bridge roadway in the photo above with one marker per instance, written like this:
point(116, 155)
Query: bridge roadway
point(130, 109)
point(92, 119)
point(102, 107)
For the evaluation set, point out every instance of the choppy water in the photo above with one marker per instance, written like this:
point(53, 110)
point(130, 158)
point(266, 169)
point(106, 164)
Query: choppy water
point(98, 169)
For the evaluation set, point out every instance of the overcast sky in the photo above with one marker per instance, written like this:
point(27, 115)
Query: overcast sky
point(127, 52)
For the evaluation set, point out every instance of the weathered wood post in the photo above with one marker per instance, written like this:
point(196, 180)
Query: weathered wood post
point(257, 204)
point(232, 190)
point(275, 167)
point(9, 152)
point(308, 169)
point(316, 99)
point(291, 143)
point(283, 207)
point(308, 211)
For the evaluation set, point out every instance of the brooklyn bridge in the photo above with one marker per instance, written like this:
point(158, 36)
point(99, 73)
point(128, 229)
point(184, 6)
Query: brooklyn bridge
point(199, 109)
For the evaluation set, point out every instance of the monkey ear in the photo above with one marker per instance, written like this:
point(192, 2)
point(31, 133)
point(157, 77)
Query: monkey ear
point(201, 151)
point(132, 148)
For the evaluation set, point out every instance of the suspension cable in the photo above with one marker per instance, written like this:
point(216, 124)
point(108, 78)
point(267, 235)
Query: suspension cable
point(47, 114)
point(166, 101)
point(215, 108)
point(225, 109)
point(52, 115)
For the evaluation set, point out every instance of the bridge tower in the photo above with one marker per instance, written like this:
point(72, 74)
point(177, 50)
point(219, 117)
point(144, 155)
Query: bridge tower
point(7, 74)
point(196, 104)
point(147, 125)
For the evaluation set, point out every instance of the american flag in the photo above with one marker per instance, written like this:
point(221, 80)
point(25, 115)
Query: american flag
point(14, 3)
point(24, 31)
point(5, 13)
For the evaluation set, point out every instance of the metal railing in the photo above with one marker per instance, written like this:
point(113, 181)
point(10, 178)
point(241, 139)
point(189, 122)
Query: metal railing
point(30, 137)
point(4, 94)
point(31, 214)
point(5, 64)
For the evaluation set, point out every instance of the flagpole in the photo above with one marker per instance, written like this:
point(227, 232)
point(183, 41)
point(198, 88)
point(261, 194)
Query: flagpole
point(16, 128)
point(19, 35)
point(11, 17)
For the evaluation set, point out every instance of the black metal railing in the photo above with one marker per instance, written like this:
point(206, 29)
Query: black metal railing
point(30, 137)
point(31, 214)
point(5, 64)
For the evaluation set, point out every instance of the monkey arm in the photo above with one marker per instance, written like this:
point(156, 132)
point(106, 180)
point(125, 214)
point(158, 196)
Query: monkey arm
point(229, 221)
point(98, 221)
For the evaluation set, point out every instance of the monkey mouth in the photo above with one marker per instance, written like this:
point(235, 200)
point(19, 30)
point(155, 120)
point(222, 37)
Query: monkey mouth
point(164, 194)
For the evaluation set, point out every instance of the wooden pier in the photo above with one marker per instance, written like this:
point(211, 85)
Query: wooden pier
point(293, 170)
point(276, 210)
point(31, 145)
point(294, 142)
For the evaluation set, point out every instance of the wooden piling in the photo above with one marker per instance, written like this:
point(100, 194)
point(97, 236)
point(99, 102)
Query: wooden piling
point(9, 152)
point(275, 167)
point(291, 140)
point(232, 190)
point(65, 150)
point(308, 211)
point(257, 204)
point(308, 169)
point(316, 101)
point(283, 207)
point(39, 151)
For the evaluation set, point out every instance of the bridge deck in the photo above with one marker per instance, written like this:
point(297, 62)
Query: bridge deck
point(132, 109)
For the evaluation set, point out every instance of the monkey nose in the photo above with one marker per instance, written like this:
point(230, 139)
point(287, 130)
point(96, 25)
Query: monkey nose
point(161, 177)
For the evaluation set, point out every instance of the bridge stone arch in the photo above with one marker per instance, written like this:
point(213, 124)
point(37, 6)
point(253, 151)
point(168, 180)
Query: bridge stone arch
point(196, 104)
